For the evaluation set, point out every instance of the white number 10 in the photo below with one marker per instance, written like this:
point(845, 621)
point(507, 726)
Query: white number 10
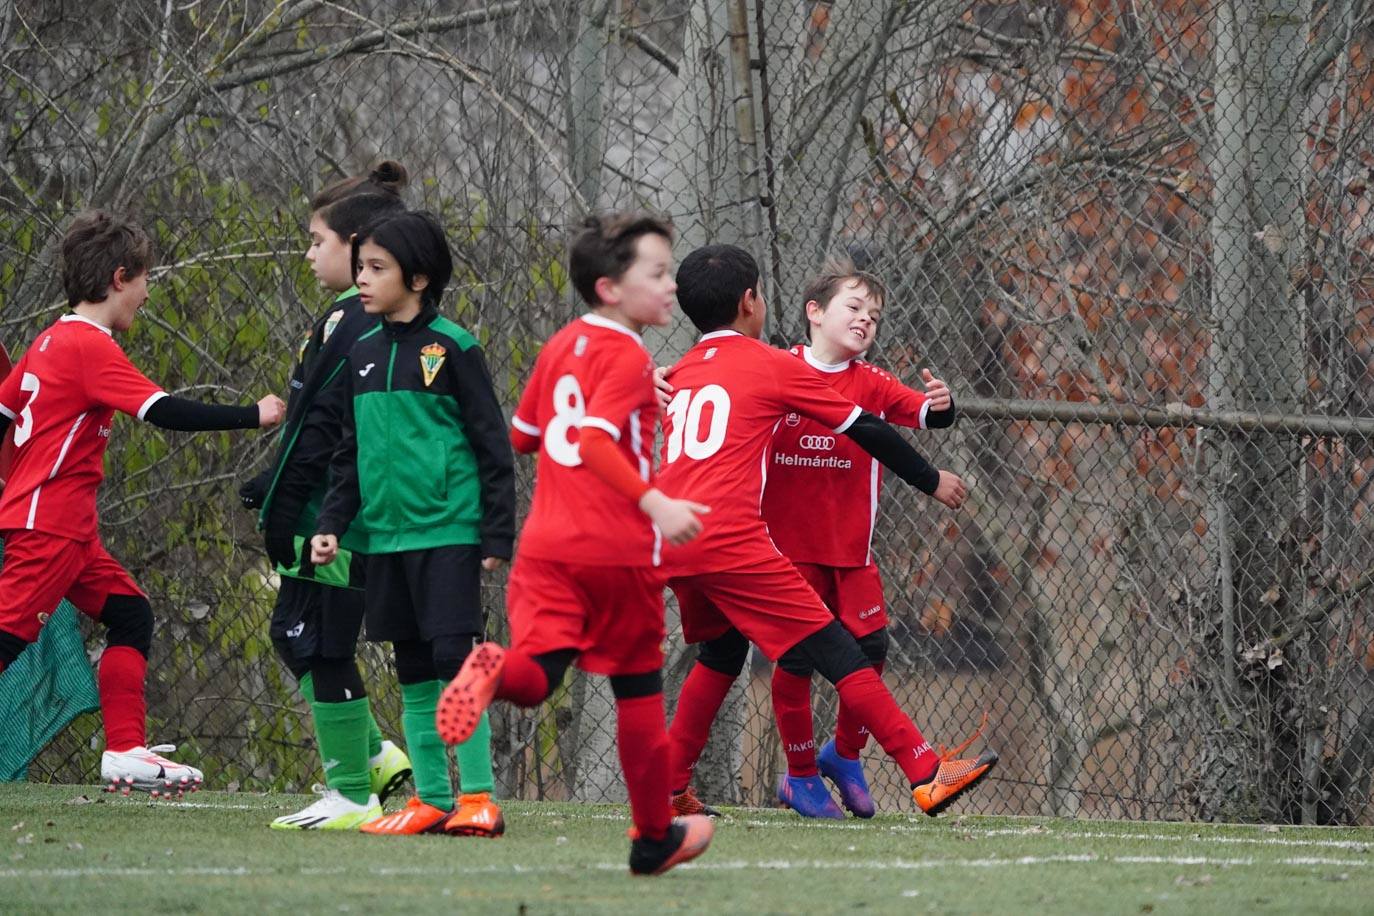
point(684, 410)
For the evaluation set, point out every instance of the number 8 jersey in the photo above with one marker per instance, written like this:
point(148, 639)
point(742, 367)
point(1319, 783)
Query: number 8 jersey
point(592, 373)
point(61, 398)
point(730, 394)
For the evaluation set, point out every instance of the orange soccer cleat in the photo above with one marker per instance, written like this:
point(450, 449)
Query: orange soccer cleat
point(686, 803)
point(953, 777)
point(476, 815)
point(469, 694)
point(415, 817)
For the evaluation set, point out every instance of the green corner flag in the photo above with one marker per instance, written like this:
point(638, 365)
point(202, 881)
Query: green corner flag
point(46, 687)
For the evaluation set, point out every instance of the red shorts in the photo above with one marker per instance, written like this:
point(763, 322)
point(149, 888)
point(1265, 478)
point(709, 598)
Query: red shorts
point(769, 602)
point(612, 615)
point(41, 569)
point(853, 593)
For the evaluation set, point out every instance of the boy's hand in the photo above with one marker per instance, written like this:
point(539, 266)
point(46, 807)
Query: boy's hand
point(662, 389)
point(324, 548)
point(271, 411)
point(281, 548)
point(952, 490)
point(492, 564)
point(937, 392)
point(675, 518)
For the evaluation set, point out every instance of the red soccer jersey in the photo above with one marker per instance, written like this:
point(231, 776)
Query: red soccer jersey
point(62, 397)
point(730, 394)
point(822, 495)
point(594, 372)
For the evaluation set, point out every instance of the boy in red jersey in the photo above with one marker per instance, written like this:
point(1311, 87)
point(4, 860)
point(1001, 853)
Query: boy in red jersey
point(733, 586)
point(821, 503)
point(586, 584)
point(61, 398)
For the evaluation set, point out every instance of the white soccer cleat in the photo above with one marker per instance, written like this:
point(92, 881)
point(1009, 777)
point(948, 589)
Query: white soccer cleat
point(331, 812)
point(144, 769)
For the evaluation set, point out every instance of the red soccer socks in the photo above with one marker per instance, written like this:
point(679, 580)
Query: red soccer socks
point(701, 697)
point(643, 742)
point(792, 710)
point(864, 693)
point(122, 702)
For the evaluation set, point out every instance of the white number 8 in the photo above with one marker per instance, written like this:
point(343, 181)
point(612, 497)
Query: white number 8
point(685, 412)
point(23, 426)
point(569, 407)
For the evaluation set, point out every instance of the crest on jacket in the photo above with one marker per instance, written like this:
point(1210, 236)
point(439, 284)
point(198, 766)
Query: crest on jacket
point(431, 361)
point(330, 324)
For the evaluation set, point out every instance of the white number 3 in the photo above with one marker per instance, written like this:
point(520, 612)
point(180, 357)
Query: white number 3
point(685, 409)
point(23, 426)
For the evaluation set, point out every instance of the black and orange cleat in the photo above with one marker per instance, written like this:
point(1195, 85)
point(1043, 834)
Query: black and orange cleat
point(687, 838)
point(686, 803)
point(476, 815)
point(954, 776)
point(468, 695)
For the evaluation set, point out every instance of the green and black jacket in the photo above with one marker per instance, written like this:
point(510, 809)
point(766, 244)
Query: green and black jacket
point(296, 482)
point(425, 458)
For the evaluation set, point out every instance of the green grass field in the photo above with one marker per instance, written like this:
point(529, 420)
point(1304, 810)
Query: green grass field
point(72, 848)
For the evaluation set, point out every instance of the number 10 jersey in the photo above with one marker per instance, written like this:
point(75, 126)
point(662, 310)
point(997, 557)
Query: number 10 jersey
point(730, 394)
point(594, 373)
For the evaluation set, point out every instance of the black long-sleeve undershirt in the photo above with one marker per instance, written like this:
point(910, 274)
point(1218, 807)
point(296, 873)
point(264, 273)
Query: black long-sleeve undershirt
point(941, 419)
point(882, 441)
point(186, 415)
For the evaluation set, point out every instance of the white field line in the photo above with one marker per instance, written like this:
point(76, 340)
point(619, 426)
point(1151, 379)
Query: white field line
point(1032, 831)
point(864, 827)
point(733, 865)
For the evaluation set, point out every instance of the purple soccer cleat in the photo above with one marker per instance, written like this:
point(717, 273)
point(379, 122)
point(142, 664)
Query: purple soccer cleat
point(809, 796)
point(848, 777)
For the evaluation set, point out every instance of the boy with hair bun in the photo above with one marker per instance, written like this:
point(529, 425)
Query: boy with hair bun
point(319, 611)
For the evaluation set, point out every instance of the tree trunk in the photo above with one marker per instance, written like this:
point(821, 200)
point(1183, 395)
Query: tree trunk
point(1251, 753)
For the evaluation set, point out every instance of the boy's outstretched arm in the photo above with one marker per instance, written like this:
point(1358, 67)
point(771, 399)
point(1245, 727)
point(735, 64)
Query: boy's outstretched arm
point(196, 416)
point(486, 429)
point(882, 441)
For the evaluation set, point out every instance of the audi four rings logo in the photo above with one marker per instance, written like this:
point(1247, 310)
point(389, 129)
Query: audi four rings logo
point(818, 443)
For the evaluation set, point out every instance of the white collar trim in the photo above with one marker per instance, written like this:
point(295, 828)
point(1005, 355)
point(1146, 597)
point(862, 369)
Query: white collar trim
point(610, 325)
point(716, 335)
point(94, 324)
point(823, 367)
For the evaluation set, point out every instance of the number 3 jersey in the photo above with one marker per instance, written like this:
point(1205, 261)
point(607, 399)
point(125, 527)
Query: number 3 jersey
point(731, 393)
point(822, 495)
point(61, 398)
point(592, 373)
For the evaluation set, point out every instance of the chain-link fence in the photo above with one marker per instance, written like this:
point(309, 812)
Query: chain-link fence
point(1135, 238)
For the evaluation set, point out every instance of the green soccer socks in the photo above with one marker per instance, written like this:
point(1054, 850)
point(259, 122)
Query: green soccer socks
point(474, 760)
point(428, 753)
point(341, 729)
